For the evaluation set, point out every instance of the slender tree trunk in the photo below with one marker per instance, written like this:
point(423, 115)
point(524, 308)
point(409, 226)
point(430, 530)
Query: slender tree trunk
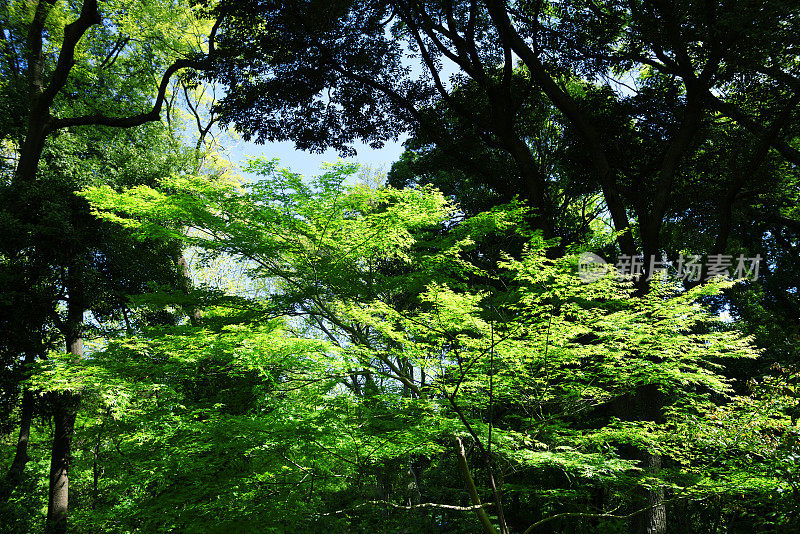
point(488, 527)
point(647, 404)
point(65, 409)
point(654, 520)
point(58, 498)
point(15, 472)
point(195, 314)
point(651, 402)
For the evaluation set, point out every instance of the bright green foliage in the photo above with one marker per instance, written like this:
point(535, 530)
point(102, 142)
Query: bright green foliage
point(369, 329)
point(68, 67)
point(393, 341)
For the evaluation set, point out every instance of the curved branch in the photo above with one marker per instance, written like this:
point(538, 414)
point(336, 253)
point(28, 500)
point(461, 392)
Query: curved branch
point(565, 103)
point(413, 506)
point(536, 525)
point(90, 15)
point(98, 119)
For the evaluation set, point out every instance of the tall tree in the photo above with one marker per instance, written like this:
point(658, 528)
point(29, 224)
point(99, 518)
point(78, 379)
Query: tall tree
point(325, 74)
point(69, 67)
point(537, 380)
point(658, 73)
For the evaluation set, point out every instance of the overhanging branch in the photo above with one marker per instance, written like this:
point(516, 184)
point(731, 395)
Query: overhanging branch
point(153, 114)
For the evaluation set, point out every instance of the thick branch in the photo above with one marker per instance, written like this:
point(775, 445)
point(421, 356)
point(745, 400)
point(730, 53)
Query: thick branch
point(90, 15)
point(569, 108)
point(412, 507)
point(759, 155)
point(394, 95)
point(134, 120)
point(407, 18)
point(34, 47)
point(733, 112)
point(678, 146)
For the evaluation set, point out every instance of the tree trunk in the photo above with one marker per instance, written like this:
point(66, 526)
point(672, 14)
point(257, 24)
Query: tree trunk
point(58, 498)
point(32, 147)
point(647, 404)
point(65, 406)
point(535, 182)
point(194, 313)
point(654, 520)
point(651, 401)
point(15, 472)
point(488, 527)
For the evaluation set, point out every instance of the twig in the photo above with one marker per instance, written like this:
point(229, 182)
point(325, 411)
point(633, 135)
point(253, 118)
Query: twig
point(531, 528)
point(413, 506)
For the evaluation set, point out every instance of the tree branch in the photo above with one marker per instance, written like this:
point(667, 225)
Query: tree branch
point(745, 121)
point(90, 15)
point(677, 148)
point(568, 107)
point(34, 47)
point(536, 525)
point(759, 155)
point(413, 506)
point(154, 114)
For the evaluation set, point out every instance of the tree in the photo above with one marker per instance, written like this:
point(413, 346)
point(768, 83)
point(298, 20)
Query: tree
point(649, 75)
point(327, 75)
point(68, 263)
point(117, 59)
point(537, 380)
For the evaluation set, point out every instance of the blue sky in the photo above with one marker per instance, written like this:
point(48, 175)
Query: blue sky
point(309, 164)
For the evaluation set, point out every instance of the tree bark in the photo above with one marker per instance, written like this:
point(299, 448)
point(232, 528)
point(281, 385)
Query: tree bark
point(654, 519)
point(647, 404)
point(58, 497)
point(569, 108)
point(31, 151)
point(42, 93)
point(15, 472)
point(65, 406)
point(488, 527)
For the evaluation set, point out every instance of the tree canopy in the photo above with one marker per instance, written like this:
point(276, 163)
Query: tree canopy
point(193, 344)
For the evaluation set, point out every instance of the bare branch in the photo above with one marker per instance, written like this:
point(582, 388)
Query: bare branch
point(536, 525)
point(413, 506)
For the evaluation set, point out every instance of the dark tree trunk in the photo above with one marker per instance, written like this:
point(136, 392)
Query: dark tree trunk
point(31, 150)
point(65, 406)
point(647, 404)
point(654, 520)
point(651, 404)
point(58, 498)
point(15, 472)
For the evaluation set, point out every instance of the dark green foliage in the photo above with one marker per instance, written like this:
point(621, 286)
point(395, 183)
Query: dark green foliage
point(381, 359)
